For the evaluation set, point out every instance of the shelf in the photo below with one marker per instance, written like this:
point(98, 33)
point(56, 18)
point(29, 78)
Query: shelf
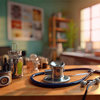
point(58, 40)
point(58, 29)
point(61, 40)
point(54, 29)
point(63, 19)
point(60, 19)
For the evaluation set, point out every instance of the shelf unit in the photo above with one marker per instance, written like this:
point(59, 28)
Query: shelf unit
point(59, 40)
point(53, 30)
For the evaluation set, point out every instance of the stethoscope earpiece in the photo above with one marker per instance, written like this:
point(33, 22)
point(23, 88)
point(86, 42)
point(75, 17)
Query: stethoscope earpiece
point(89, 83)
point(97, 81)
point(83, 83)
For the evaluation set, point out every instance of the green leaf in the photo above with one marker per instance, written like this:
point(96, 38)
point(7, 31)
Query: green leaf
point(71, 33)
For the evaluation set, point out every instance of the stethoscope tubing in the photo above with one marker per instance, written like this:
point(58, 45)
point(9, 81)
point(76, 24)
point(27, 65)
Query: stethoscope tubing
point(56, 85)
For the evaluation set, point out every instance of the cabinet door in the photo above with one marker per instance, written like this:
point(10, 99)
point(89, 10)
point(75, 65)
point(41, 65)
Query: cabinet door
point(67, 60)
point(94, 63)
point(81, 62)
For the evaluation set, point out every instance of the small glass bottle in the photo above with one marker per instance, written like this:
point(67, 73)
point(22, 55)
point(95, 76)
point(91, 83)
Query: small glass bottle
point(39, 59)
point(36, 64)
point(28, 69)
point(45, 63)
point(32, 59)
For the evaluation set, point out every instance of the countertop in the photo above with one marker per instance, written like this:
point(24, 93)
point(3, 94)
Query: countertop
point(81, 55)
point(22, 88)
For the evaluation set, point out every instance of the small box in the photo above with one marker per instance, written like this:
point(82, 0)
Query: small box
point(97, 53)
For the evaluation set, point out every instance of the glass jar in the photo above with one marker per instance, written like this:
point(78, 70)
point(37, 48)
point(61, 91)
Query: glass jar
point(44, 62)
point(16, 62)
point(39, 59)
point(32, 63)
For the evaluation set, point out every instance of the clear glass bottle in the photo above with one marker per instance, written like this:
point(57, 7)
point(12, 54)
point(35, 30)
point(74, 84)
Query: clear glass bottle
point(45, 63)
point(16, 62)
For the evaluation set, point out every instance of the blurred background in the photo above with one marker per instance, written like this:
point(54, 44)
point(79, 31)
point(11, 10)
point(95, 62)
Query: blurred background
point(66, 26)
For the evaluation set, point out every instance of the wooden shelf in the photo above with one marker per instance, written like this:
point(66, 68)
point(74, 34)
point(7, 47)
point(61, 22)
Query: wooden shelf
point(61, 40)
point(53, 29)
point(58, 40)
point(60, 19)
point(58, 29)
point(63, 19)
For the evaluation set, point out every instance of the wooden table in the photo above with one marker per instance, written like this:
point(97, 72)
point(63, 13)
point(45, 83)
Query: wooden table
point(22, 88)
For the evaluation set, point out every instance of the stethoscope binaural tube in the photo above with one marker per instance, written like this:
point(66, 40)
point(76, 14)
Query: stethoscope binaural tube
point(56, 85)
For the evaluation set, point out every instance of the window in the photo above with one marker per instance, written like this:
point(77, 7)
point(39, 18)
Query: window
point(90, 26)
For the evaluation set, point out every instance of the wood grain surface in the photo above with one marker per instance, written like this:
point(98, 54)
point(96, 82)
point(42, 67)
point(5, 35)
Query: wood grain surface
point(22, 88)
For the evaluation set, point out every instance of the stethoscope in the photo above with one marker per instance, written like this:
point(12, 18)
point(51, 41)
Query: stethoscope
point(59, 65)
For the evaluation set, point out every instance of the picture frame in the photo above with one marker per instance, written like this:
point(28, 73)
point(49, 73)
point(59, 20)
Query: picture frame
point(24, 22)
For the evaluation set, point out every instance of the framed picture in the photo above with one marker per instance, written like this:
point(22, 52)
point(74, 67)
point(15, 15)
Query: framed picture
point(24, 22)
point(88, 47)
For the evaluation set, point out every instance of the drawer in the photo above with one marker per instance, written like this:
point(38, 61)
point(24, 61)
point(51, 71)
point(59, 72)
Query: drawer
point(67, 60)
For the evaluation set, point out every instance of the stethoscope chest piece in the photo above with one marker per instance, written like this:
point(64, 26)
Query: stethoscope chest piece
point(57, 73)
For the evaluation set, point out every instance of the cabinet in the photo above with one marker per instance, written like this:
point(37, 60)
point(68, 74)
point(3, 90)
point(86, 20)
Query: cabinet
point(74, 58)
point(67, 60)
point(53, 29)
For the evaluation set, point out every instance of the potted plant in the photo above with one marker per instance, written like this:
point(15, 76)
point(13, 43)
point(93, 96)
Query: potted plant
point(71, 35)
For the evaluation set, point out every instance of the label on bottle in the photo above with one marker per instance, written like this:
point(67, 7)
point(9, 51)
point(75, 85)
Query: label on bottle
point(19, 68)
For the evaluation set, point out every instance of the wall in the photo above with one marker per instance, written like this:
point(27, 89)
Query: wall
point(49, 7)
point(74, 7)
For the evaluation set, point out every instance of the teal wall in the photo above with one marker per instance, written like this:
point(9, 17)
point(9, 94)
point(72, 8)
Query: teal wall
point(49, 7)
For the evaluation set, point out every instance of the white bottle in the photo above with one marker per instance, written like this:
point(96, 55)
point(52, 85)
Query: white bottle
point(59, 49)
